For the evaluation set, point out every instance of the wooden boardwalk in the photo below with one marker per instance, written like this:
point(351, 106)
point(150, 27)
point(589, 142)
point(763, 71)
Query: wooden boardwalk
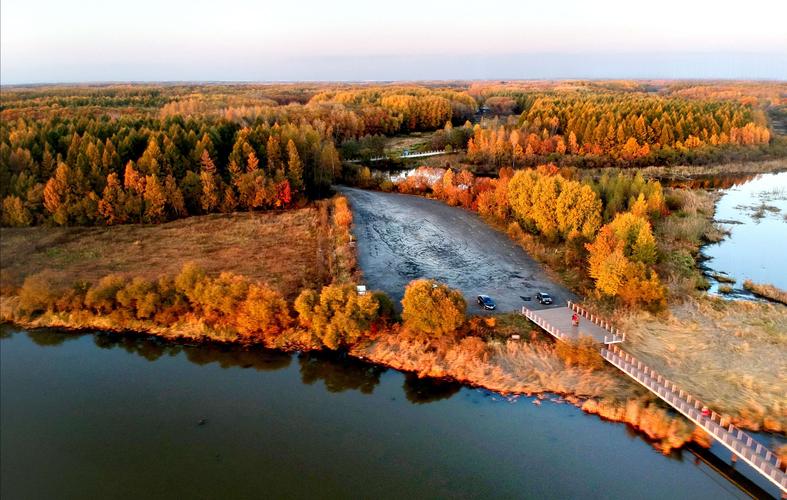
point(741, 444)
point(557, 322)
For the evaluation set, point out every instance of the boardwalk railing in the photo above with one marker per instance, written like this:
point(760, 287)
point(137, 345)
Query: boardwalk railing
point(740, 443)
point(405, 156)
point(543, 324)
point(616, 336)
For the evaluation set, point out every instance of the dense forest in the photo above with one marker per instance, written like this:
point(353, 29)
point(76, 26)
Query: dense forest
point(624, 126)
point(111, 154)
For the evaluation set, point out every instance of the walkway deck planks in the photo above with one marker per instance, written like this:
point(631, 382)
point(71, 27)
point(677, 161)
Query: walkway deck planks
point(560, 319)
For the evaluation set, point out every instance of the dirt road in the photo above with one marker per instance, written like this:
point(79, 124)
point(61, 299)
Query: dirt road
point(401, 238)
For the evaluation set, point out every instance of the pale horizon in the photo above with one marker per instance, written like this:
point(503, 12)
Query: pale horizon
point(44, 41)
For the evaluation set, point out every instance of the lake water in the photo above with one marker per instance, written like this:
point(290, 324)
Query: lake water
point(756, 214)
point(106, 416)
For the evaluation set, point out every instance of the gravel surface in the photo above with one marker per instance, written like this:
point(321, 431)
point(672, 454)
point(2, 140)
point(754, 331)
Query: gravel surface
point(402, 237)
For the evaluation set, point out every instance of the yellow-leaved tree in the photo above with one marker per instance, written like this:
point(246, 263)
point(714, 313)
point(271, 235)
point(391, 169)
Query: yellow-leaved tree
point(544, 211)
point(620, 260)
point(520, 195)
point(606, 261)
point(578, 211)
point(433, 308)
point(338, 315)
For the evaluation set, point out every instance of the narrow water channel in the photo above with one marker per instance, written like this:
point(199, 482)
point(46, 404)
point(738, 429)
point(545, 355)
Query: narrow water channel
point(755, 213)
point(106, 416)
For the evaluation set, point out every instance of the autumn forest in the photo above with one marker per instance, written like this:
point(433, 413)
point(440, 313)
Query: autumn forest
point(113, 154)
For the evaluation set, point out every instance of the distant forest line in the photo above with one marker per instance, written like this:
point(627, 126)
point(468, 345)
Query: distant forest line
point(122, 153)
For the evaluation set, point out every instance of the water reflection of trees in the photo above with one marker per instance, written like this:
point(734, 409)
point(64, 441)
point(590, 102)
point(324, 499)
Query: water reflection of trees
point(47, 337)
point(339, 372)
point(258, 358)
point(6, 331)
point(226, 356)
point(133, 344)
point(720, 181)
point(427, 390)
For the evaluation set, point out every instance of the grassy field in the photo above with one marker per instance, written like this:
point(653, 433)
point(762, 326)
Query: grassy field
point(731, 354)
point(413, 142)
point(288, 250)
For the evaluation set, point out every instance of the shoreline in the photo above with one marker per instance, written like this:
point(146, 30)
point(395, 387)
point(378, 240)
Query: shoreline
point(654, 421)
point(528, 368)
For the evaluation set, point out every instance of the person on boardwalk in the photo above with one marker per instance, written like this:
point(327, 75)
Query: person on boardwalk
point(574, 319)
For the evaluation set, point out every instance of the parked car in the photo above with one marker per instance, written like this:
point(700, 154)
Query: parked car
point(544, 298)
point(486, 302)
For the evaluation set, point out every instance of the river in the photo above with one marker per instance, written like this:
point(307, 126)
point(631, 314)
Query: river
point(107, 416)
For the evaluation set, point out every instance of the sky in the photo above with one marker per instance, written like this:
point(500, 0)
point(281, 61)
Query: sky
point(48, 41)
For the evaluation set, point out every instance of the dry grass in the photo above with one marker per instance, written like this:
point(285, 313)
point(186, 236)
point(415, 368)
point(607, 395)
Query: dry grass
point(688, 171)
point(770, 292)
point(508, 366)
point(285, 250)
point(680, 236)
point(535, 367)
point(723, 278)
point(725, 289)
point(733, 355)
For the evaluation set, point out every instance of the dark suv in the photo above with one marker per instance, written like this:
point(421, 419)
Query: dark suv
point(486, 302)
point(544, 298)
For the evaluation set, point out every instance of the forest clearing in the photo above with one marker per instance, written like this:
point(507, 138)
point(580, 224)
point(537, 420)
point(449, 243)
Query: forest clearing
point(246, 244)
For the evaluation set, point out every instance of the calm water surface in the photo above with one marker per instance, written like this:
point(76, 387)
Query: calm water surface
point(103, 416)
point(756, 214)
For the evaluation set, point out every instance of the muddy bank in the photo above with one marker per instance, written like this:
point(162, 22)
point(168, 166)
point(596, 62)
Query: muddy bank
point(401, 238)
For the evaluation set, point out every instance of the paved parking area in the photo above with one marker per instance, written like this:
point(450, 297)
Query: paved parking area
point(401, 238)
